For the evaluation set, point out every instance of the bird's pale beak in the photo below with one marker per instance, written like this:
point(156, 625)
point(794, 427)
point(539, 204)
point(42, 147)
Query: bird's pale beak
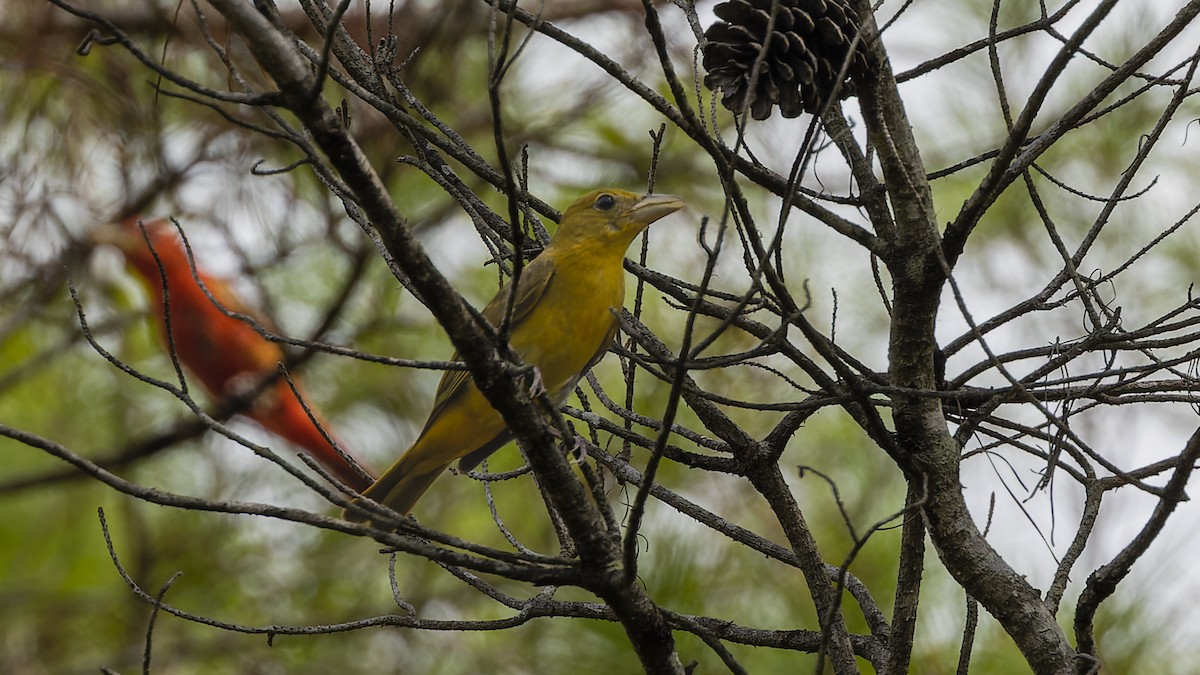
point(108, 234)
point(652, 207)
point(126, 235)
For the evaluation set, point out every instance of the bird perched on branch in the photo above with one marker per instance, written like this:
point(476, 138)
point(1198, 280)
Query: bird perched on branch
point(225, 354)
point(562, 323)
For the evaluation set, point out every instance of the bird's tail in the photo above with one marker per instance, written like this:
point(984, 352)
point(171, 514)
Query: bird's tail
point(287, 418)
point(402, 485)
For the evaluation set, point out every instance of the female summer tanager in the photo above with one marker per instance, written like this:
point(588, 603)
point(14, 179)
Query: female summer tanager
point(225, 354)
point(562, 323)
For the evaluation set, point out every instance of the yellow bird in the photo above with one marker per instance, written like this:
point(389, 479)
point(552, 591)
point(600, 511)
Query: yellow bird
point(562, 324)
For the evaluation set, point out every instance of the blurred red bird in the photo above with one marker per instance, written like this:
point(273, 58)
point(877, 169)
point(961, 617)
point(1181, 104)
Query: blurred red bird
point(225, 354)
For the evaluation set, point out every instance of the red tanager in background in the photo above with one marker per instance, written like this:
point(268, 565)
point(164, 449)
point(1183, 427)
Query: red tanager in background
point(562, 323)
point(225, 354)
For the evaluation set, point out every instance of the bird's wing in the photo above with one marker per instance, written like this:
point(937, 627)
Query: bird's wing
point(231, 344)
point(535, 279)
point(231, 302)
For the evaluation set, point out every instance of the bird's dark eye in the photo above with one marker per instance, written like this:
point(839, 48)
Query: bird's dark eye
point(605, 202)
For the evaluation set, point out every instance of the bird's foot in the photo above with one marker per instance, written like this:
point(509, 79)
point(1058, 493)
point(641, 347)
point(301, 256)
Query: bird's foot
point(245, 384)
point(242, 384)
point(579, 451)
point(537, 386)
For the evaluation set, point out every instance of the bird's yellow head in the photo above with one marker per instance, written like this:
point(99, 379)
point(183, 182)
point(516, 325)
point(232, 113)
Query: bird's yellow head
point(609, 219)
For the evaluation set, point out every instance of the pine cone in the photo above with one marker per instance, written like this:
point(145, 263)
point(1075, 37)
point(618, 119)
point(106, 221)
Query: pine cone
point(809, 42)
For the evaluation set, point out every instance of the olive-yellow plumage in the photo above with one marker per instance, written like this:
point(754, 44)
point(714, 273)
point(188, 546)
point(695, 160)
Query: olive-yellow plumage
point(562, 324)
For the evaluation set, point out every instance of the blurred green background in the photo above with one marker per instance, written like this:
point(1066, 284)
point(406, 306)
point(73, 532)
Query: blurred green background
point(83, 135)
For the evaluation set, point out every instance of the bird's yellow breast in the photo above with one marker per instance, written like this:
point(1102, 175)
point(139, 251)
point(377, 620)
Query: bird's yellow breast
point(573, 320)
